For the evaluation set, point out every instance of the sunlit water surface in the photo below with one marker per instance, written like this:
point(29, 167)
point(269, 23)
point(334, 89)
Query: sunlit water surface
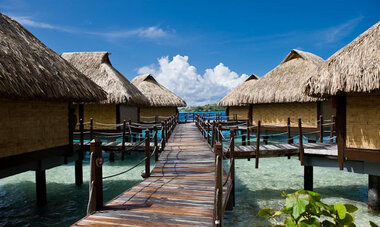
point(256, 188)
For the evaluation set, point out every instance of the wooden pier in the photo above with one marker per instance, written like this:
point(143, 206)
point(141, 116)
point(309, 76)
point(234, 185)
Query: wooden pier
point(181, 189)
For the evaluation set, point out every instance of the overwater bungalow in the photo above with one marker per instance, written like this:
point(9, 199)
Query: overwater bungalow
point(123, 98)
point(37, 88)
point(352, 77)
point(235, 101)
point(162, 102)
point(279, 94)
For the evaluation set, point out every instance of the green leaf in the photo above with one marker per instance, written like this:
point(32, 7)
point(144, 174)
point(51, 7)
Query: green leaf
point(327, 223)
point(312, 222)
point(265, 212)
point(290, 222)
point(373, 224)
point(297, 202)
point(347, 221)
point(277, 213)
point(350, 208)
point(314, 195)
point(283, 194)
point(341, 210)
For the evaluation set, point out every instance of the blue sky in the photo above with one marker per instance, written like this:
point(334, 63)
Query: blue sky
point(213, 43)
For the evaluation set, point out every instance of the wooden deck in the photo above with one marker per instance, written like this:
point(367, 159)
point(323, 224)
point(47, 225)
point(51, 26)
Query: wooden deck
point(279, 150)
point(179, 192)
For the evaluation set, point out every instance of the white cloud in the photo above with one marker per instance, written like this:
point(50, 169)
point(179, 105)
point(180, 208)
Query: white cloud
point(153, 32)
point(184, 80)
point(339, 32)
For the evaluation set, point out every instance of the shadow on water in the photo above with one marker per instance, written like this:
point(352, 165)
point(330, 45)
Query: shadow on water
point(66, 202)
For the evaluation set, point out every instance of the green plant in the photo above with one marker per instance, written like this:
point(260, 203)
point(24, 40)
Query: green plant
point(305, 208)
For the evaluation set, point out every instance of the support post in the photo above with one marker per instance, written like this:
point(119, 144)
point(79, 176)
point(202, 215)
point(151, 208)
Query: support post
point(41, 187)
point(258, 144)
point(112, 156)
point(123, 141)
point(288, 132)
point(220, 133)
point(185, 117)
point(374, 192)
point(320, 128)
point(265, 139)
point(155, 142)
point(332, 124)
point(96, 175)
point(166, 132)
point(308, 178)
point(219, 185)
point(79, 162)
point(91, 129)
point(163, 135)
point(300, 148)
point(147, 154)
point(193, 116)
point(213, 134)
point(231, 200)
point(243, 140)
point(341, 128)
point(248, 133)
point(208, 130)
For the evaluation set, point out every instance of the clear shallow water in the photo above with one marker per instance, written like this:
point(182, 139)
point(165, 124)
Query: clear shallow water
point(256, 188)
point(260, 188)
point(66, 202)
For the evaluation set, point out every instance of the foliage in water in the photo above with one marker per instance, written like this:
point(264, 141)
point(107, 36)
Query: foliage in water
point(305, 208)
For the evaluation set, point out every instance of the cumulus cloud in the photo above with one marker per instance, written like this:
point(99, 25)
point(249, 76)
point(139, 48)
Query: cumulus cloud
point(184, 80)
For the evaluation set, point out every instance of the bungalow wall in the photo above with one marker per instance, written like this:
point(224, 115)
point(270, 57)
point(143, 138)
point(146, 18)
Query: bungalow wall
point(278, 113)
point(149, 113)
point(102, 113)
point(128, 112)
point(28, 126)
point(240, 111)
point(363, 122)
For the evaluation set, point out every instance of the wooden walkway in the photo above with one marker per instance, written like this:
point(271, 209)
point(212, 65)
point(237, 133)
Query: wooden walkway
point(179, 192)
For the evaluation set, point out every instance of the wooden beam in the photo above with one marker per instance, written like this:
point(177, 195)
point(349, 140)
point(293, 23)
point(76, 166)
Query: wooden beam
point(308, 178)
point(341, 129)
point(362, 154)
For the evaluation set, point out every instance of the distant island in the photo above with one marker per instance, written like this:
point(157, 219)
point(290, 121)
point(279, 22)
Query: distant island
point(205, 108)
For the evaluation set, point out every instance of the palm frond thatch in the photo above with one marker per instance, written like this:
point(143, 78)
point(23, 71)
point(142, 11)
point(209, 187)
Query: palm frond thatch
point(97, 67)
point(158, 95)
point(286, 82)
point(238, 96)
point(353, 69)
point(30, 70)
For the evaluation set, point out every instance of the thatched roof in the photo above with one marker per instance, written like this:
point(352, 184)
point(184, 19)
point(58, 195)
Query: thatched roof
point(157, 94)
point(354, 68)
point(97, 66)
point(30, 70)
point(238, 96)
point(286, 82)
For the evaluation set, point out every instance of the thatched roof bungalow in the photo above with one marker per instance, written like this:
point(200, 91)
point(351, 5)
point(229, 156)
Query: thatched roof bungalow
point(37, 88)
point(352, 77)
point(236, 101)
point(280, 93)
point(123, 98)
point(162, 102)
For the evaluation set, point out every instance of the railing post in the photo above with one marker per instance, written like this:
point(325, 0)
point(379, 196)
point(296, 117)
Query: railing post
point(220, 138)
point(96, 199)
point(79, 162)
point(208, 130)
point(91, 129)
point(243, 140)
point(301, 151)
point(231, 200)
point(213, 134)
point(320, 128)
point(155, 143)
point(193, 116)
point(185, 117)
point(166, 131)
point(219, 185)
point(258, 144)
point(332, 124)
point(147, 154)
point(81, 128)
point(288, 132)
point(248, 133)
point(163, 135)
point(123, 141)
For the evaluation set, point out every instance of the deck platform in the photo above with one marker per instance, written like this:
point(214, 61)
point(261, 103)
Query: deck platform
point(179, 192)
point(280, 150)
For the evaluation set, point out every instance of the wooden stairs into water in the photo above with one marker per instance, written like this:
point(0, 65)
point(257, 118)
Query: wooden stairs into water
point(179, 192)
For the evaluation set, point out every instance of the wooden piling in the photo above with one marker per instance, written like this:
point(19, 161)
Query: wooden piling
point(79, 162)
point(320, 129)
point(219, 185)
point(243, 140)
point(96, 175)
point(155, 142)
point(248, 133)
point(41, 186)
point(374, 192)
point(258, 144)
point(147, 154)
point(123, 140)
point(308, 178)
point(301, 154)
